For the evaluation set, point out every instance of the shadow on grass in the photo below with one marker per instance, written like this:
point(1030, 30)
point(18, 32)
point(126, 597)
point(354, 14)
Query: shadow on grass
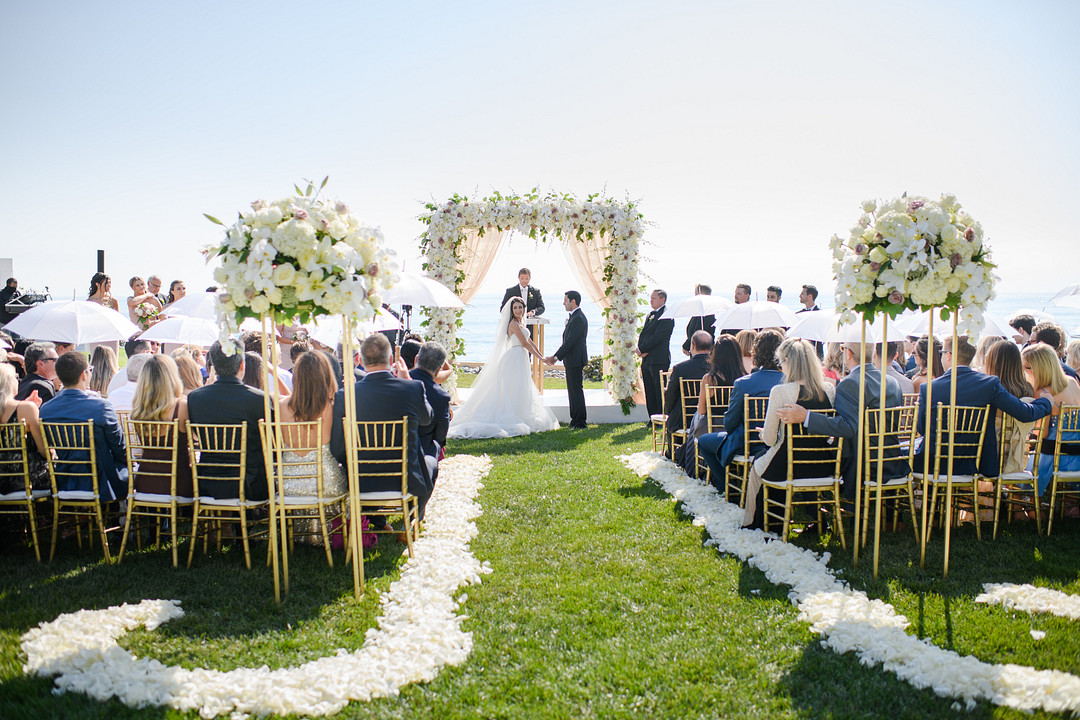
point(30, 698)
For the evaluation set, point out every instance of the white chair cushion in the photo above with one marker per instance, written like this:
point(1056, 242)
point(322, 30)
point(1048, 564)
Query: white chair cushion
point(86, 495)
point(802, 482)
point(159, 499)
point(888, 483)
point(658, 417)
point(231, 502)
point(20, 495)
point(740, 459)
point(379, 496)
point(942, 479)
point(1019, 476)
point(310, 499)
point(1069, 474)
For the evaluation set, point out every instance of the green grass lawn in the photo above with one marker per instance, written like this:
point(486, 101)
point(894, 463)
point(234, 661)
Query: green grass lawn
point(465, 380)
point(603, 603)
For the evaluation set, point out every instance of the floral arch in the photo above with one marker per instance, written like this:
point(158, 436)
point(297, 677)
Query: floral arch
point(602, 234)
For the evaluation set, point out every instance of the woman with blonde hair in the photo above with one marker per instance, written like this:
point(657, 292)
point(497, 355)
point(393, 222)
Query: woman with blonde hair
point(159, 397)
point(746, 338)
point(1043, 366)
point(805, 385)
point(985, 342)
point(834, 362)
point(190, 377)
point(1072, 354)
point(12, 411)
point(103, 361)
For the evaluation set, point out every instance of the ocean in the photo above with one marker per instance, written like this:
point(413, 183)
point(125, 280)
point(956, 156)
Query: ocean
point(481, 314)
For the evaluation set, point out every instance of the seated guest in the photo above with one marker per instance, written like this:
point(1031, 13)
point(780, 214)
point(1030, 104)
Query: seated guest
point(833, 364)
point(159, 397)
point(39, 359)
point(255, 376)
point(803, 384)
point(76, 404)
point(252, 342)
point(1003, 361)
point(228, 401)
point(410, 348)
point(1053, 335)
point(706, 323)
point(13, 411)
point(1050, 381)
point(429, 361)
point(725, 367)
point(746, 338)
point(388, 393)
point(190, 376)
point(906, 385)
point(1072, 354)
point(132, 348)
point(1023, 324)
point(973, 389)
point(979, 361)
point(296, 349)
point(719, 448)
point(845, 422)
point(121, 398)
point(922, 351)
point(692, 369)
point(909, 347)
point(103, 360)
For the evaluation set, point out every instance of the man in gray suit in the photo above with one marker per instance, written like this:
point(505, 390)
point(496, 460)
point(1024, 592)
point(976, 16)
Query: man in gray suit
point(845, 422)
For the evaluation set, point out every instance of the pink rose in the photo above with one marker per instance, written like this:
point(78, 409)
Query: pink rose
point(300, 214)
point(860, 248)
point(969, 234)
point(895, 297)
point(875, 266)
point(955, 259)
point(914, 205)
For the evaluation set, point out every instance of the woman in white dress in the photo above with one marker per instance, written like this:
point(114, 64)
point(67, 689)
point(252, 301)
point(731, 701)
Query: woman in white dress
point(503, 401)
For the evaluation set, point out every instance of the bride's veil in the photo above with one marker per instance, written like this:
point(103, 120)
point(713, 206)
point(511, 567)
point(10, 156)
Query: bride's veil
point(488, 378)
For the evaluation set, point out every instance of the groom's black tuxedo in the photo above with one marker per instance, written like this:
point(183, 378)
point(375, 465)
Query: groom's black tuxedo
point(575, 356)
point(534, 302)
point(655, 343)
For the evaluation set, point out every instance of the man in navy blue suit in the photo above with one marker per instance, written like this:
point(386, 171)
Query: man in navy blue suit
point(429, 361)
point(77, 404)
point(388, 393)
point(654, 349)
point(719, 448)
point(973, 389)
point(574, 355)
point(692, 369)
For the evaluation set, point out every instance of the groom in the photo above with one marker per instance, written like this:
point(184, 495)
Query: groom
point(574, 356)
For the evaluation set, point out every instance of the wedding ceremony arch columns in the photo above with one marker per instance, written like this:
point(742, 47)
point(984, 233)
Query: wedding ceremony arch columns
point(602, 234)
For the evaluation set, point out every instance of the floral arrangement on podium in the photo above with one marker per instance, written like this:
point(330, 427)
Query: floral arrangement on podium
point(911, 253)
point(568, 218)
point(299, 257)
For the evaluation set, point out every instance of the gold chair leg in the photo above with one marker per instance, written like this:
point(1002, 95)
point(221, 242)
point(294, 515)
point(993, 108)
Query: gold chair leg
point(840, 518)
point(126, 532)
point(33, 532)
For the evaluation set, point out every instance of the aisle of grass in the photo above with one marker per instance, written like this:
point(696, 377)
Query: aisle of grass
point(603, 603)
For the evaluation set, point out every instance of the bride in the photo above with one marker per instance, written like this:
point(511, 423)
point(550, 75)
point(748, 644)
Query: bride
point(503, 401)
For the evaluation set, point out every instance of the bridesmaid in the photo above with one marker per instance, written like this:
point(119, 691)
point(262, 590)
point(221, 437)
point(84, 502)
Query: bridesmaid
point(101, 293)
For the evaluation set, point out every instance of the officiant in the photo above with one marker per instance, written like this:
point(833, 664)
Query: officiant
point(534, 302)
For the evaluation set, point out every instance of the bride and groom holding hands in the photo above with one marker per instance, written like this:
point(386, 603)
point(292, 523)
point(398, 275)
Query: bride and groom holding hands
point(503, 401)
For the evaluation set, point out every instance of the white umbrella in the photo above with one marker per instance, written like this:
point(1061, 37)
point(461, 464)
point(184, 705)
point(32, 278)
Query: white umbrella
point(1072, 301)
point(418, 290)
point(1039, 315)
point(1075, 331)
point(196, 305)
point(758, 314)
point(73, 321)
point(819, 326)
point(918, 323)
point(1066, 292)
point(700, 306)
point(327, 329)
point(184, 330)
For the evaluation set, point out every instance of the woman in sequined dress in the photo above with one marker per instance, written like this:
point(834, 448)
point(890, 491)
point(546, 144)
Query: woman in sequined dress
point(312, 399)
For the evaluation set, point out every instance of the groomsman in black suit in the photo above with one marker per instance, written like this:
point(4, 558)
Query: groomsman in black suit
point(654, 349)
point(574, 355)
point(534, 303)
point(706, 323)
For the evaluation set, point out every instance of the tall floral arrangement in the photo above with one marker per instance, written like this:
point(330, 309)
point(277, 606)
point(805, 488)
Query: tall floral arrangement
point(299, 257)
point(563, 216)
point(912, 253)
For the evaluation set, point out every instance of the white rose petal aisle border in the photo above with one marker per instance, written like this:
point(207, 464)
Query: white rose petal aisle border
point(847, 619)
point(568, 218)
point(1031, 599)
point(417, 635)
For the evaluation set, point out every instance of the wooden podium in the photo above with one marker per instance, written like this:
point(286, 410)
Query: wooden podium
point(536, 329)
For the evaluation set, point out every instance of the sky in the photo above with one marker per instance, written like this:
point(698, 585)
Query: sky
point(748, 132)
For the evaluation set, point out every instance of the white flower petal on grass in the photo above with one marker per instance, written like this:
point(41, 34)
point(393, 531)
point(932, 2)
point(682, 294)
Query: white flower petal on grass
point(418, 633)
point(849, 621)
point(1029, 599)
point(1037, 634)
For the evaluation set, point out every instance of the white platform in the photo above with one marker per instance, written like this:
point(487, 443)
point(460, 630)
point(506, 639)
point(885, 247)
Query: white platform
point(600, 407)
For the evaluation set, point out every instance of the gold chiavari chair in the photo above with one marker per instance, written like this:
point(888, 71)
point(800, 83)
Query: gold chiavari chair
point(716, 404)
point(219, 460)
point(382, 458)
point(813, 465)
point(153, 458)
point(72, 456)
point(689, 390)
point(911, 399)
point(658, 421)
point(896, 426)
point(1015, 489)
point(738, 473)
point(1064, 482)
point(302, 468)
point(15, 472)
point(963, 445)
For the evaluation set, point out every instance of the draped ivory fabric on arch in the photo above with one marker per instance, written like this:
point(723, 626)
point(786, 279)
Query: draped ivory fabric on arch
point(477, 255)
point(588, 259)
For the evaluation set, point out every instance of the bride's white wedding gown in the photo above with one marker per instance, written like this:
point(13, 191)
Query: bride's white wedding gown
point(503, 401)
